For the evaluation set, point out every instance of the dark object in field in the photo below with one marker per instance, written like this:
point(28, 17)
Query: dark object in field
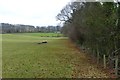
point(42, 42)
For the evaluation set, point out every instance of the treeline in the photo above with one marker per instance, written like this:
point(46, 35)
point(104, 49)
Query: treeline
point(20, 28)
point(95, 26)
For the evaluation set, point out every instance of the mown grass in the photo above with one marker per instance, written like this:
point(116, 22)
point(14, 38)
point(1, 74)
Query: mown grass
point(0, 55)
point(22, 57)
point(41, 34)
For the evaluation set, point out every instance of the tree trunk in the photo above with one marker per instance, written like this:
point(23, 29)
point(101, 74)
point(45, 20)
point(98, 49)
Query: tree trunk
point(104, 61)
point(116, 66)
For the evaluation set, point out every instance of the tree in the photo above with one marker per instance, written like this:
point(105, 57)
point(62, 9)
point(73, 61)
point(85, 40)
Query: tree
point(95, 26)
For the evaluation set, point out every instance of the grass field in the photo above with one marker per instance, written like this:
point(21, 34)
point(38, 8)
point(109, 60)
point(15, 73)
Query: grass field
point(0, 55)
point(22, 57)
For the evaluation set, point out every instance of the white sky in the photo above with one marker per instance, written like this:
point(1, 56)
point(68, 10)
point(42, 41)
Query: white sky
point(31, 12)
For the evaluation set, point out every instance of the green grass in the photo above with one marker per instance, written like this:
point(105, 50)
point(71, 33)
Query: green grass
point(41, 34)
point(24, 58)
point(0, 55)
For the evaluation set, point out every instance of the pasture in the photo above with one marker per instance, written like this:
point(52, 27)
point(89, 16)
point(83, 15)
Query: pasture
point(23, 57)
point(0, 55)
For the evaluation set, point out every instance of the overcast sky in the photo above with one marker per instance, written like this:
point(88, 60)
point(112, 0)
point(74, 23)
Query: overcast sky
point(31, 12)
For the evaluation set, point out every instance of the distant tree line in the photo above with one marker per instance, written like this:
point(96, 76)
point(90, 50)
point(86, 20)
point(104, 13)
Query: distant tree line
point(95, 26)
point(20, 28)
